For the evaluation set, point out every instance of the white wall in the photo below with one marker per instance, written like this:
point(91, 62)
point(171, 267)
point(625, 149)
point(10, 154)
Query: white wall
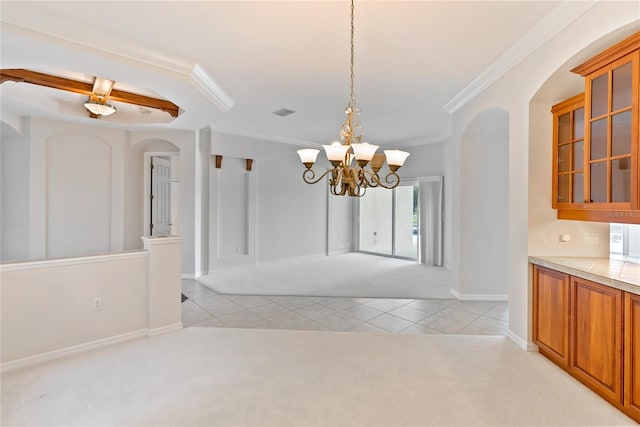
point(48, 305)
point(483, 209)
point(14, 193)
point(60, 199)
point(341, 224)
point(513, 93)
point(78, 191)
point(284, 216)
point(190, 186)
point(424, 160)
point(293, 215)
point(74, 189)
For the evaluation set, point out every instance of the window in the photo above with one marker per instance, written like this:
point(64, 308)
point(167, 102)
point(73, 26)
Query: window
point(624, 241)
point(389, 221)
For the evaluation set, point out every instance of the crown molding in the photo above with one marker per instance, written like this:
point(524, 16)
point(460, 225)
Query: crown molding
point(125, 51)
point(256, 134)
point(196, 73)
point(426, 140)
point(556, 20)
point(208, 86)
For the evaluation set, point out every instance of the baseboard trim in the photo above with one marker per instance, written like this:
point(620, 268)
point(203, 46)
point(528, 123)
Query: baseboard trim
point(526, 346)
point(478, 297)
point(339, 252)
point(57, 354)
point(187, 276)
point(164, 329)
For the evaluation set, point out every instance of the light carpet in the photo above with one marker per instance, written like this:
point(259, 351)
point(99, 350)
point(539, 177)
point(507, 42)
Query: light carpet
point(209, 376)
point(353, 275)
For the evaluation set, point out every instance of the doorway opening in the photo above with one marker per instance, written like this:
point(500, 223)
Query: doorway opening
point(388, 222)
point(405, 222)
point(162, 192)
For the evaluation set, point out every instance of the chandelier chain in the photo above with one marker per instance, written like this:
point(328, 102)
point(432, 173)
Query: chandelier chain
point(345, 179)
point(351, 100)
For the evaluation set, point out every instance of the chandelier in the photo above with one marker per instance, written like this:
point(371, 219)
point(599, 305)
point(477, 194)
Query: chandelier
point(345, 179)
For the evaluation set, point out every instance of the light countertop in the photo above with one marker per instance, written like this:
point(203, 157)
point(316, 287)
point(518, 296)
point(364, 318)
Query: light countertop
point(617, 273)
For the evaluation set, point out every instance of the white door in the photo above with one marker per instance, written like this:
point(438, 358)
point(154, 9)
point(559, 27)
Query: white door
point(160, 197)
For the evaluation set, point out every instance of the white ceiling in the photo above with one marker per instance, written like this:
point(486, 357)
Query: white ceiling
point(230, 64)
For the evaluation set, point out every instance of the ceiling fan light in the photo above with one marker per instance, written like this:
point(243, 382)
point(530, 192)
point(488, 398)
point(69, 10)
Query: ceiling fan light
point(100, 109)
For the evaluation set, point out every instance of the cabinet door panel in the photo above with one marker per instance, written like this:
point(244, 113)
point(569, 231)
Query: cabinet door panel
point(597, 338)
point(551, 314)
point(622, 87)
point(599, 96)
point(568, 152)
point(632, 356)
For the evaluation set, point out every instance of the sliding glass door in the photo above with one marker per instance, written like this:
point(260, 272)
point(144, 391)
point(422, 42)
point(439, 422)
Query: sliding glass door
point(388, 222)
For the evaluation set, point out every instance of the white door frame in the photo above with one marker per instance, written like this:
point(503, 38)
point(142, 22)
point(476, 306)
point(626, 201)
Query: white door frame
point(146, 182)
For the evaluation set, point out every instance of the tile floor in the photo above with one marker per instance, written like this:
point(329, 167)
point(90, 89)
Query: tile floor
point(206, 308)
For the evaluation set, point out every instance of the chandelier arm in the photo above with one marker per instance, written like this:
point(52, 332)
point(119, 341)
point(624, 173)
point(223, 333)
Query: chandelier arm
point(392, 179)
point(373, 181)
point(308, 176)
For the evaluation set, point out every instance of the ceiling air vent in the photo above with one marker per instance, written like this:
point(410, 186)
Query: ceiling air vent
point(283, 112)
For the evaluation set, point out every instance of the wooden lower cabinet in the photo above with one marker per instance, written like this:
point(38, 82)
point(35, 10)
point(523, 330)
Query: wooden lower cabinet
point(551, 314)
point(593, 332)
point(632, 356)
point(596, 338)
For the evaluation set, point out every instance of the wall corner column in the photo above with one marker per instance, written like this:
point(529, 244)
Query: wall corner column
point(164, 284)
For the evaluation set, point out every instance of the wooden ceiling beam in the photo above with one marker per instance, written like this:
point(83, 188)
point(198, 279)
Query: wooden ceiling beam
point(25, 76)
point(144, 101)
point(33, 77)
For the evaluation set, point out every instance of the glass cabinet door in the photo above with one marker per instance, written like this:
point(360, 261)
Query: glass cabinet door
point(610, 104)
point(569, 152)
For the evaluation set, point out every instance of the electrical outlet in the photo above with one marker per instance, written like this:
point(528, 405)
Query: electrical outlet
point(97, 304)
point(592, 239)
point(542, 238)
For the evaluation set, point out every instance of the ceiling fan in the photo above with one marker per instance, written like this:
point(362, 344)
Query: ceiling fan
point(100, 92)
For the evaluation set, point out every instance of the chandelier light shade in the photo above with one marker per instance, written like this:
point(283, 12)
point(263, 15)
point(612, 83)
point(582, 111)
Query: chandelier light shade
point(98, 106)
point(343, 178)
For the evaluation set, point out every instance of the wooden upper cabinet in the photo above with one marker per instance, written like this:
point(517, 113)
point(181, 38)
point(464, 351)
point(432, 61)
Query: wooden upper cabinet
point(612, 134)
point(632, 356)
point(610, 169)
point(568, 152)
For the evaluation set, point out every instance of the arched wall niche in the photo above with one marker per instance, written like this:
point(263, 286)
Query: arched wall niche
point(78, 194)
